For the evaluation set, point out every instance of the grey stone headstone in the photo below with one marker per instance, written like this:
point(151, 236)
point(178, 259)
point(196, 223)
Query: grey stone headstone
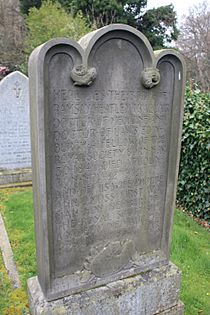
point(106, 123)
point(15, 147)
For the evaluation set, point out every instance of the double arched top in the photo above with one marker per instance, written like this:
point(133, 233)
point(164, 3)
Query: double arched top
point(87, 43)
point(83, 52)
point(56, 68)
point(121, 31)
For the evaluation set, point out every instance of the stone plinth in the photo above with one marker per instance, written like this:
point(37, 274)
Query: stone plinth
point(152, 292)
point(10, 178)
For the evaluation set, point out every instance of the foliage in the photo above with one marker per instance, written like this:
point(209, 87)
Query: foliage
point(5, 286)
point(190, 251)
point(194, 43)
point(101, 13)
point(16, 207)
point(50, 21)
point(193, 185)
point(189, 239)
point(159, 25)
point(25, 5)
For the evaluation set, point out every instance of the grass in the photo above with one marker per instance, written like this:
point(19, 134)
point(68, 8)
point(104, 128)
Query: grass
point(5, 287)
point(190, 251)
point(17, 210)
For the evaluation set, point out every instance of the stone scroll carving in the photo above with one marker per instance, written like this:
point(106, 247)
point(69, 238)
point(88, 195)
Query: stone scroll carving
point(150, 77)
point(82, 76)
point(105, 158)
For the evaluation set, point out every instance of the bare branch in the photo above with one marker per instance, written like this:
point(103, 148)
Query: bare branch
point(194, 43)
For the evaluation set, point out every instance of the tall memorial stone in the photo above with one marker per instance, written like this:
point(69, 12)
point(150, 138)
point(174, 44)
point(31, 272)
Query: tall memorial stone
point(15, 147)
point(106, 117)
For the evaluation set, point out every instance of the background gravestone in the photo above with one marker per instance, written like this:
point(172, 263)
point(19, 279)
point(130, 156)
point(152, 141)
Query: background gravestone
point(106, 119)
point(15, 148)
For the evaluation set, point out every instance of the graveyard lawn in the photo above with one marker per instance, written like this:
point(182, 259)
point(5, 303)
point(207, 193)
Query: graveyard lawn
point(190, 251)
point(16, 207)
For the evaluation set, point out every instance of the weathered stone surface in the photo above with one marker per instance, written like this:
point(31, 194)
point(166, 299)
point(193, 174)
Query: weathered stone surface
point(175, 310)
point(150, 293)
point(11, 177)
point(106, 124)
point(15, 147)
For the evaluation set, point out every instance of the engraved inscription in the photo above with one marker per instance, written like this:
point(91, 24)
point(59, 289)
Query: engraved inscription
point(109, 174)
point(106, 116)
point(15, 147)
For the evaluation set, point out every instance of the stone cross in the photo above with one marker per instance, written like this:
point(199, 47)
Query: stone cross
point(17, 89)
point(106, 118)
point(15, 147)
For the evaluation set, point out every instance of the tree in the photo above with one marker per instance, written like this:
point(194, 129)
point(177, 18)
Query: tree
point(50, 21)
point(194, 43)
point(25, 5)
point(12, 33)
point(159, 25)
point(100, 13)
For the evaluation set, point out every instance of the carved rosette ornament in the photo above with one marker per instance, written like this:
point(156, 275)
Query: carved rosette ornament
point(150, 77)
point(82, 76)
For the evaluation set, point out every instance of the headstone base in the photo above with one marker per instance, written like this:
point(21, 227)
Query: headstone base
point(153, 292)
point(12, 178)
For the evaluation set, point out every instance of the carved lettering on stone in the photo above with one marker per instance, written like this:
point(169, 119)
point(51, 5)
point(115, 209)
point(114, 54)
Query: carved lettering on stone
point(106, 137)
point(15, 147)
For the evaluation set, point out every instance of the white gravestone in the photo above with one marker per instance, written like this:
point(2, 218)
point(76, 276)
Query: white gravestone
point(15, 148)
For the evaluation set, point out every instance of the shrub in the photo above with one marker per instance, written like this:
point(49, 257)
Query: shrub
point(193, 184)
point(50, 21)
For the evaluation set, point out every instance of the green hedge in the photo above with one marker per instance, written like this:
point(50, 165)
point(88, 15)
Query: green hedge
point(193, 184)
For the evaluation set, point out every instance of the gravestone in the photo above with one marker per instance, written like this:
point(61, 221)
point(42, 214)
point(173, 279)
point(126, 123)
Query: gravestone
point(106, 117)
point(15, 148)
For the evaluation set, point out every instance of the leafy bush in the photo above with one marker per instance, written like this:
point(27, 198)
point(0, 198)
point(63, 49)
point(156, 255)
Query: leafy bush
point(193, 185)
point(50, 21)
